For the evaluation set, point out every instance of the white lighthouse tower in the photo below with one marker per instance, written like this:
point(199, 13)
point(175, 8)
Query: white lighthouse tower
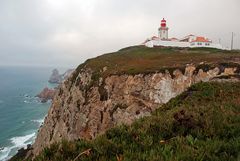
point(163, 30)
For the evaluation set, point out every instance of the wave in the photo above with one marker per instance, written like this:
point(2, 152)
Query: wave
point(21, 141)
point(35, 100)
point(25, 101)
point(17, 143)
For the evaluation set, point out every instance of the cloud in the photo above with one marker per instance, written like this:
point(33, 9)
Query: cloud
point(67, 32)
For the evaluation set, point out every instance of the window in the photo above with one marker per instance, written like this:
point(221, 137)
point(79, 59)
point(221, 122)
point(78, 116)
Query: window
point(207, 44)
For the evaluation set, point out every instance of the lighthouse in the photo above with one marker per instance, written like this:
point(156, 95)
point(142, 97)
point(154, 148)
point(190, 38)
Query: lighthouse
point(163, 30)
point(190, 41)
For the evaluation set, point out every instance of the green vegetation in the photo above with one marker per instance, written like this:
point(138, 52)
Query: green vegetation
point(140, 59)
point(203, 123)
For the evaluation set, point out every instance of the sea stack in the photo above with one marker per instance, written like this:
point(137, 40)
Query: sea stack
point(55, 78)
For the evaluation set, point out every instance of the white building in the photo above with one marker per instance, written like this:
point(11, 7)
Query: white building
point(191, 41)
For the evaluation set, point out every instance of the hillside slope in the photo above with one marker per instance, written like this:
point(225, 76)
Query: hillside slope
point(203, 123)
point(140, 59)
point(120, 87)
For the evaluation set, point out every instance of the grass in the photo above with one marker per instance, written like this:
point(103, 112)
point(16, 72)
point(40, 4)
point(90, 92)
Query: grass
point(203, 123)
point(140, 59)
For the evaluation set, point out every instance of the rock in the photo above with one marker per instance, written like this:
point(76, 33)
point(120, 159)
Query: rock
point(21, 153)
point(55, 77)
point(46, 94)
point(104, 69)
point(229, 71)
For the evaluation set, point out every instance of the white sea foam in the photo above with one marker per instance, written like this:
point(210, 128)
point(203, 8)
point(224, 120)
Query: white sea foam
point(17, 143)
point(20, 141)
point(4, 153)
point(40, 121)
point(25, 101)
point(25, 95)
point(29, 101)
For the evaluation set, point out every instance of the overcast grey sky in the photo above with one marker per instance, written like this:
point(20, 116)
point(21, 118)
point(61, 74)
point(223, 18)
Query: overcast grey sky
point(67, 32)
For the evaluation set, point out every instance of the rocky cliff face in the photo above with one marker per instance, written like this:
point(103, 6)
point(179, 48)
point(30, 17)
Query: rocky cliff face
point(87, 105)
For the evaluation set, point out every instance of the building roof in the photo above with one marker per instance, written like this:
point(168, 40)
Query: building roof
point(163, 20)
point(147, 40)
point(173, 39)
point(201, 39)
point(187, 38)
point(154, 38)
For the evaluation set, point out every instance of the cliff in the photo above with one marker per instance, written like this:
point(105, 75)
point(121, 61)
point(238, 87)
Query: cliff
point(121, 87)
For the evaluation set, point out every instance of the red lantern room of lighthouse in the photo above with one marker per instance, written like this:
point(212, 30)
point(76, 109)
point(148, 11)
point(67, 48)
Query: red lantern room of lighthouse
point(163, 30)
point(163, 23)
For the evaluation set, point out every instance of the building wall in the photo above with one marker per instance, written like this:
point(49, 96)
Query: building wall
point(153, 43)
point(206, 44)
point(163, 33)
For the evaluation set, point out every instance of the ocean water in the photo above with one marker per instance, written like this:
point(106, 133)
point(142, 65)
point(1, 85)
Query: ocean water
point(21, 113)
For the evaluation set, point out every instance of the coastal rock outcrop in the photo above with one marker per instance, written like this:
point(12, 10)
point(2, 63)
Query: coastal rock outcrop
point(46, 94)
point(87, 104)
point(57, 78)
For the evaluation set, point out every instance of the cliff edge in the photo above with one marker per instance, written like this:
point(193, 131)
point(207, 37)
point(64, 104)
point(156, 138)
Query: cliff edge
point(118, 88)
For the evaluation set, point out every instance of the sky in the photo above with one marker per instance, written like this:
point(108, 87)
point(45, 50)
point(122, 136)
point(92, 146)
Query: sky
point(64, 33)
